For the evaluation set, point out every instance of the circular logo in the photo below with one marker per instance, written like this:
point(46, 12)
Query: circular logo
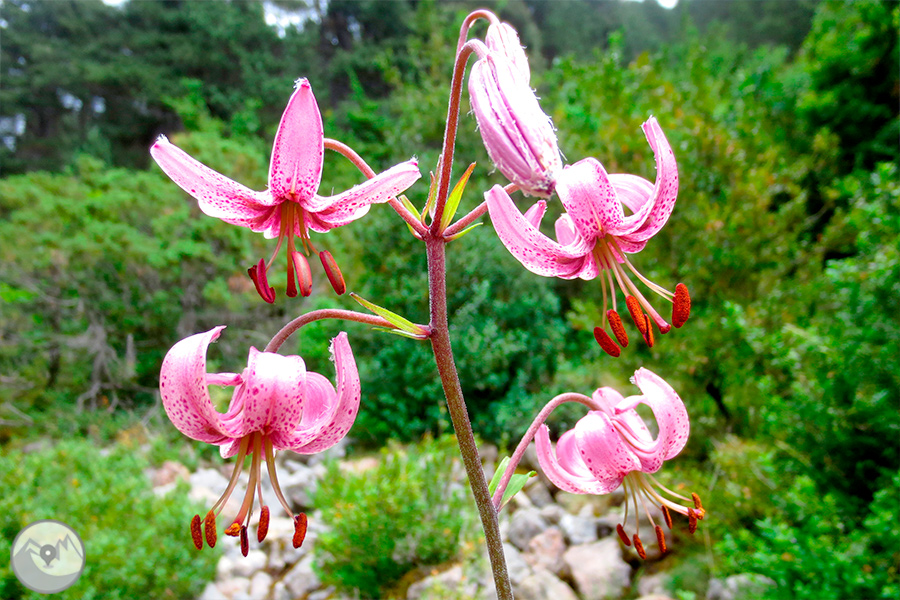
point(47, 556)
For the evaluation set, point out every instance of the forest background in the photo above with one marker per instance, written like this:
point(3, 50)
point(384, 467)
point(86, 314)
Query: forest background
point(784, 119)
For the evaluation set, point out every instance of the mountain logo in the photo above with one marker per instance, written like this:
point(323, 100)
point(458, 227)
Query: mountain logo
point(47, 556)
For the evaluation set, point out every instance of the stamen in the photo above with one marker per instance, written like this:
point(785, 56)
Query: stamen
point(696, 500)
point(258, 274)
point(648, 332)
point(333, 272)
point(304, 274)
point(299, 529)
point(661, 539)
point(270, 466)
point(615, 323)
point(263, 528)
point(667, 516)
point(637, 315)
point(639, 547)
point(234, 529)
point(245, 543)
point(606, 342)
point(196, 535)
point(681, 305)
point(622, 536)
point(209, 527)
point(692, 521)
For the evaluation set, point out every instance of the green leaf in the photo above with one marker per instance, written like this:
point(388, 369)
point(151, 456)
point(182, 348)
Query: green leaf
point(516, 482)
point(392, 318)
point(463, 232)
point(455, 197)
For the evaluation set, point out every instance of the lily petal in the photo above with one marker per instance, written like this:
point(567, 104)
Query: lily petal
point(602, 447)
point(184, 391)
point(217, 195)
point(668, 409)
point(273, 392)
point(299, 149)
point(589, 198)
point(561, 477)
point(537, 253)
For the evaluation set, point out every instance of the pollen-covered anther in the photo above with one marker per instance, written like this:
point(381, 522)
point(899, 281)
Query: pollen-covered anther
point(304, 273)
point(661, 539)
point(615, 323)
point(622, 535)
point(667, 516)
point(263, 528)
point(258, 274)
point(637, 315)
point(299, 529)
point(335, 277)
point(648, 331)
point(606, 342)
point(245, 541)
point(234, 529)
point(196, 534)
point(209, 527)
point(697, 503)
point(681, 305)
point(639, 547)
point(692, 521)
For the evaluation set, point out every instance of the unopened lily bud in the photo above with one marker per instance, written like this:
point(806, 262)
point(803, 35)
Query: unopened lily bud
point(517, 134)
point(502, 38)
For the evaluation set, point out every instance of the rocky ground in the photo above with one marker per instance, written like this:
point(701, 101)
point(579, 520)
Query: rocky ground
point(560, 547)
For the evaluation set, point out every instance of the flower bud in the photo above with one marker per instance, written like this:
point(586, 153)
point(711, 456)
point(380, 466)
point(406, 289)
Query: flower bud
point(517, 134)
point(502, 38)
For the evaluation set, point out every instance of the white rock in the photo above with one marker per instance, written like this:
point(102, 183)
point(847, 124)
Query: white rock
point(739, 587)
point(578, 529)
point(516, 566)
point(545, 551)
point(524, 525)
point(656, 583)
point(281, 592)
point(301, 580)
point(233, 586)
point(246, 566)
point(538, 492)
point(211, 592)
point(452, 580)
point(553, 513)
point(543, 585)
point(260, 584)
point(598, 569)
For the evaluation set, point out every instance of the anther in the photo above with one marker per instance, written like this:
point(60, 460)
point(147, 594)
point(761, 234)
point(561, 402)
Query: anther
point(667, 516)
point(697, 504)
point(245, 543)
point(692, 521)
point(606, 342)
point(333, 272)
point(304, 274)
point(263, 528)
point(647, 332)
point(639, 547)
point(209, 527)
point(196, 535)
point(637, 315)
point(234, 529)
point(299, 529)
point(615, 323)
point(258, 274)
point(681, 305)
point(661, 539)
point(621, 531)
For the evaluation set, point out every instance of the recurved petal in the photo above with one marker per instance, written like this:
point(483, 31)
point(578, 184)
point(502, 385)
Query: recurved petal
point(602, 448)
point(579, 482)
point(537, 253)
point(589, 198)
point(297, 155)
point(535, 215)
point(183, 387)
point(328, 413)
point(344, 207)
point(665, 190)
point(273, 392)
point(217, 195)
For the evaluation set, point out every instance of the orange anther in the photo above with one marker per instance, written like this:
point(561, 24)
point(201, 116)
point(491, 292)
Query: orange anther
point(692, 521)
point(667, 516)
point(647, 332)
point(196, 535)
point(234, 529)
point(333, 272)
point(639, 547)
point(299, 530)
point(209, 526)
point(245, 543)
point(681, 305)
point(263, 528)
point(661, 539)
point(615, 323)
point(637, 315)
point(697, 504)
point(606, 342)
point(621, 531)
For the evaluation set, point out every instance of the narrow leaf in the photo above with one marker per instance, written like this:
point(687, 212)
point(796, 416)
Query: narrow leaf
point(498, 475)
point(516, 483)
point(455, 197)
point(463, 232)
point(392, 318)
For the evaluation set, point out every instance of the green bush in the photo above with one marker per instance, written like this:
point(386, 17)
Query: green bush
point(137, 545)
point(409, 511)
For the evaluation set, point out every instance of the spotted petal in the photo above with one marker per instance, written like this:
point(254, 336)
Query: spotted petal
point(273, 392)
point(602, 448)
point(299, 149)
point(568, 472)
point(537, 253)
point(590, 200)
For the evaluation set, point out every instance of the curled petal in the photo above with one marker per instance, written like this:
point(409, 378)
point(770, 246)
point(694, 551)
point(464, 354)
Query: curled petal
point(299, 149)
point(328, 413)
point(589, 198)
point(183, 387)
point(273, 392)
point(579, 482)
point(537, 253)
point(602, 448)
point(335, 211)
point(535, 214)
point(217, 195)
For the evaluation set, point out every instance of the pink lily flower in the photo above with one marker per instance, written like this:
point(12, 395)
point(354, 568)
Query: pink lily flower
point(291, 206)
point(595, 234)
point(277, 405)
point(612, 446)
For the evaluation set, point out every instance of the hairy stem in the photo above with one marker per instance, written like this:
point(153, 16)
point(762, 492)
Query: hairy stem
point(317, 315)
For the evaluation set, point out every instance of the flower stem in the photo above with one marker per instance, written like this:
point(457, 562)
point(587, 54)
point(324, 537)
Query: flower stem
point(443, 357)
point(318, 315)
